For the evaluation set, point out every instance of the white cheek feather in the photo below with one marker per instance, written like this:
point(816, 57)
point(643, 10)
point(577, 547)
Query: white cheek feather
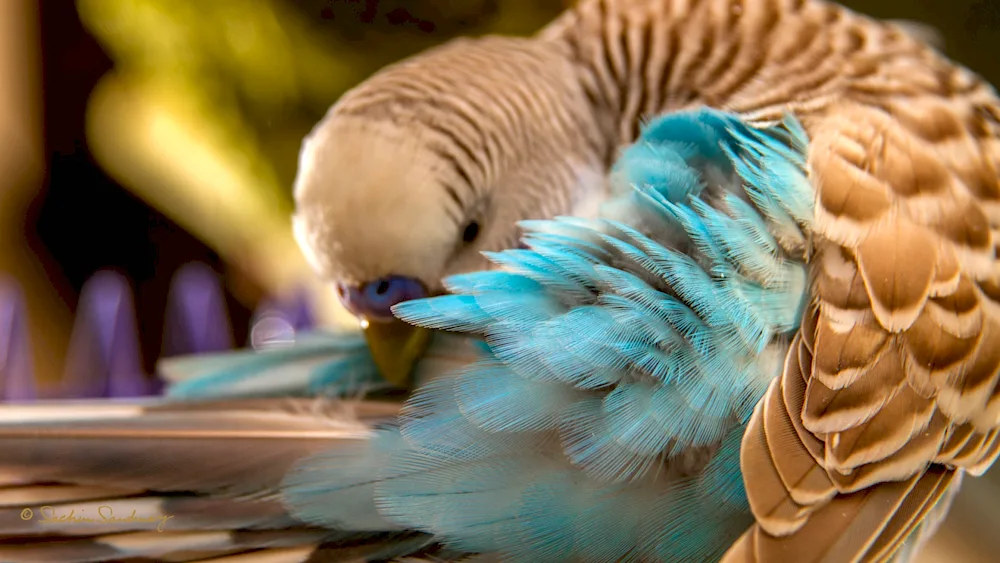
point(369, 203)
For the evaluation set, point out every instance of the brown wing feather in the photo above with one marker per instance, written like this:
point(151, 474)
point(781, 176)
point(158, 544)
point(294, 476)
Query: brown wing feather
point(891, 391)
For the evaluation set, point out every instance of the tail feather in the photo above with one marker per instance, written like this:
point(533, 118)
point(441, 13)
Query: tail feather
point(152, 480)
point(145, 512)
point(235, 447)
point(28, 495)
point(273, 545)
point(157, 545)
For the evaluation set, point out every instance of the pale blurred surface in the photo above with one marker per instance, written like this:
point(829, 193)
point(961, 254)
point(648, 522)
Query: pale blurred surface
point(201, 116)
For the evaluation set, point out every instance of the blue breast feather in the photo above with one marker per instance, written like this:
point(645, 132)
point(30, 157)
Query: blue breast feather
point(330, 363)
point(625, 356)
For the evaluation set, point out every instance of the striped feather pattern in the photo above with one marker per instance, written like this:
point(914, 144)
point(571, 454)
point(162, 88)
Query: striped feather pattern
point(760, 58)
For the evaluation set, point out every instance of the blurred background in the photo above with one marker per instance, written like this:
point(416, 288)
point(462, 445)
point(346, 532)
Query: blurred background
point(147, 145)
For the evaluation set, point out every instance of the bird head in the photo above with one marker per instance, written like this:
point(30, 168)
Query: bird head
point(430, 162)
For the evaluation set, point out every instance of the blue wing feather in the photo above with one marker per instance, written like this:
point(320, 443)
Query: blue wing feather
point(497, 400)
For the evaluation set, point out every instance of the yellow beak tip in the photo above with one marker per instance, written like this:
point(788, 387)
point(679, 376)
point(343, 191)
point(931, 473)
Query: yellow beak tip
point(396, 347)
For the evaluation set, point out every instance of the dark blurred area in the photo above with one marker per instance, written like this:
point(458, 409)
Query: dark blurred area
point(140, 136)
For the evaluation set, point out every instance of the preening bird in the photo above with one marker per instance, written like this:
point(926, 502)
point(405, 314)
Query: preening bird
point(766, 331)
point(415, 172)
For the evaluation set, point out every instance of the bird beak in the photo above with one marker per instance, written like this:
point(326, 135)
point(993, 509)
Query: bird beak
point(395, 346)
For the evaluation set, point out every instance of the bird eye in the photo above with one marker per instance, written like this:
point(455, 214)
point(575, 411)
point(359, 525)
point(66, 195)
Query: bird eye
point(471, 232)
point(374, 300)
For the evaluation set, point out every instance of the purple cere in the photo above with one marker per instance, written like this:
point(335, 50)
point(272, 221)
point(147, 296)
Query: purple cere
point(374, 300)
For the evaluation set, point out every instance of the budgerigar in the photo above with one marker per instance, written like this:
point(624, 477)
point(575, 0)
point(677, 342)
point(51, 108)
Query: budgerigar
point(431, 161)
point(780, 332)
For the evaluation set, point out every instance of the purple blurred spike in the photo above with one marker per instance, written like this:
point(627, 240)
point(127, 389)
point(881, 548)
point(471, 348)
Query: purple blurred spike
point(17, 378)
point(196, 317)
point(103, 358)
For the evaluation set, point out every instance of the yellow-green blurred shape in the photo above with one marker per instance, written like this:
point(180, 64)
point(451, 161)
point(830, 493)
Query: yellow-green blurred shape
point(275, 57)
point(148, 141)
point(21, 173)
point(166, 125)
